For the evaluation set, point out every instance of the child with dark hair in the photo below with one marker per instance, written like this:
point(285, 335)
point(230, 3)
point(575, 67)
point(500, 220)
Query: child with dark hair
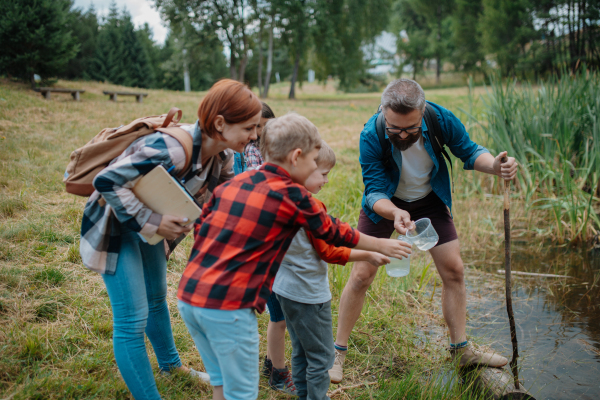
point(251, 157)
point(252, 151)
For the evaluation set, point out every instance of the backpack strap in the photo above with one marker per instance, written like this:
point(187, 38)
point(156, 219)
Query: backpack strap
point(436, 137)
point(386, 147)
point(186, 141)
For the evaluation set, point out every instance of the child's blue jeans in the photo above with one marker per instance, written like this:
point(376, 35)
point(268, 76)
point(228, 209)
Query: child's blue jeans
point(138, 292)
point(228, 343)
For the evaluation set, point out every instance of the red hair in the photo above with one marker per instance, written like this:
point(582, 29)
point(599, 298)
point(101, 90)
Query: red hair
point(232, 100)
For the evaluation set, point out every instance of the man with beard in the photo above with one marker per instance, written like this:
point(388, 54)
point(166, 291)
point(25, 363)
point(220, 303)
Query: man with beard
point(415, 185)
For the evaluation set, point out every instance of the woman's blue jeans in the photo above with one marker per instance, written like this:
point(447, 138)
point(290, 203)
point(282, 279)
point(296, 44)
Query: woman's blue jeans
point(138, 296)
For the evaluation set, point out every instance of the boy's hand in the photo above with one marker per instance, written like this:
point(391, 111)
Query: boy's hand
point(377, 259)
point(170, 227)
point(394, 248)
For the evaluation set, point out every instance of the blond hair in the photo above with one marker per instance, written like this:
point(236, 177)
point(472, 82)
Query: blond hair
point(326, 157)
point(288, 133)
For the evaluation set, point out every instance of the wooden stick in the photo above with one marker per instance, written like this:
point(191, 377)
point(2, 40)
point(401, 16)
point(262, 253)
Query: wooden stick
point(501, 271)
point(341, 389)
point(507, 277)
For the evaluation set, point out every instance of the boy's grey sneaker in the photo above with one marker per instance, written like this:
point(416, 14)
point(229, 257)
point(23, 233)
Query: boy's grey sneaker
point(267, 368)
point(281, 380)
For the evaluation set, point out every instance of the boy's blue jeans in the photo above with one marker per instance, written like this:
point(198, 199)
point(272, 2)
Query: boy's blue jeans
point(228, 343)
point(138, 292)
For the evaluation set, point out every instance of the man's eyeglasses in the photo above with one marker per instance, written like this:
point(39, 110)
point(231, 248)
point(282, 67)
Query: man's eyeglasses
point(414, 130)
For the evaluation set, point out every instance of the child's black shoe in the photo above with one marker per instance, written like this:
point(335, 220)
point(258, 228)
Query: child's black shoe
point(267, 368)
point(281, 380)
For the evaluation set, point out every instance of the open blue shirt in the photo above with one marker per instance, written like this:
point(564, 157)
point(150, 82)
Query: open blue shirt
point(381, 183)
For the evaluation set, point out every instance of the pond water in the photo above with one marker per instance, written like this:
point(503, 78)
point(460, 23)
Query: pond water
point(557, 320)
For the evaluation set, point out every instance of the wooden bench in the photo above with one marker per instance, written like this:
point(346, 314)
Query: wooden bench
point(45, 91)
point(113, 95)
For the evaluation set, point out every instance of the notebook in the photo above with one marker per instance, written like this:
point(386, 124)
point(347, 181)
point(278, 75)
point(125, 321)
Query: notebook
point(164, 195)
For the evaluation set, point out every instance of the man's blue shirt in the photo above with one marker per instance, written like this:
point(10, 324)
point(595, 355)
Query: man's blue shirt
point(381, 183)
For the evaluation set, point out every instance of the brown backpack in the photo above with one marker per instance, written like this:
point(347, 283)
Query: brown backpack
point(87, 161)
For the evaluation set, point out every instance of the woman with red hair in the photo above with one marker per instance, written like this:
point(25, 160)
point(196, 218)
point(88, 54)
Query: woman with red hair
point(135, 272)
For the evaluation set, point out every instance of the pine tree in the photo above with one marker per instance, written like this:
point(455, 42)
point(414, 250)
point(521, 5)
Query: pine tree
point(84, 27)
point(35, 38)
point(135, 60)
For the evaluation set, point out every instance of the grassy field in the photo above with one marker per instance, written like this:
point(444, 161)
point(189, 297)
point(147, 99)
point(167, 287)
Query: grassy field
point(55, 317)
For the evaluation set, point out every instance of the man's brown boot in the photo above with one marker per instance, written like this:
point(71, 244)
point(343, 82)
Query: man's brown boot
point(468, 356)
point(336, 373)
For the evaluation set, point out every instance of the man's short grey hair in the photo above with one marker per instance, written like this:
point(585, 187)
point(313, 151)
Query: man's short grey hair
point(403, 96)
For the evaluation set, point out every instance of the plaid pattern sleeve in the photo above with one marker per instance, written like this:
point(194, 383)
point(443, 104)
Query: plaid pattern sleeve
point(113, 204)
point(253, 157)
point(327, 252)
point(243, 234)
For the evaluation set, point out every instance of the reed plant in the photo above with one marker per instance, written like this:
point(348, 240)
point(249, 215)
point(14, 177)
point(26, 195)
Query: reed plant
point(553, 130)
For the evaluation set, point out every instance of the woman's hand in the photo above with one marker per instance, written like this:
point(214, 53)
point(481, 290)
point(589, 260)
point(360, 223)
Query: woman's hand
point(170, 227)
point(394, 248)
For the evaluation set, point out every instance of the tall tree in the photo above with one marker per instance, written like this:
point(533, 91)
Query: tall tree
point(465, 35)
point(341, 28)
point(231, 19)
point(435, 15)
point(295, 25)
point(35, 38)
point(413, 32)
point(120, 55)
point(108, 63)
point(139, 72)
point(84, 27)
point(205, 58)
point(507, 28)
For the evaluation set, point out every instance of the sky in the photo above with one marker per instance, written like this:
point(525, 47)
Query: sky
point(141, 11)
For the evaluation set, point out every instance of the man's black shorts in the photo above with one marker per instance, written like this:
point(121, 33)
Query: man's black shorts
point(431, 206)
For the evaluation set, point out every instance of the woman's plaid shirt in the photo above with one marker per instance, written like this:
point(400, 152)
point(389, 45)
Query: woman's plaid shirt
point(113, 204)
point(242, 236)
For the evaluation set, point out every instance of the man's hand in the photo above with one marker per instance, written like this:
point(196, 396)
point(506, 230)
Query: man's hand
point(507, 170)
point(394, 248)
point(402, 221)
point(170, 227)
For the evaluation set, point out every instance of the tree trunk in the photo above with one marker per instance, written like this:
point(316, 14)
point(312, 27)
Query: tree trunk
point(32, 80)
point(269, 59)
point(232, 66)
point(295, 75)
point(260, 60)
point(438, 58)
point(244, 60)
point(243, 64)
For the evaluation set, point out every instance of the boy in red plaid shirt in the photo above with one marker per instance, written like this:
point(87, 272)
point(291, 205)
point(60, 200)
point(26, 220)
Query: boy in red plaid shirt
point(240, 240)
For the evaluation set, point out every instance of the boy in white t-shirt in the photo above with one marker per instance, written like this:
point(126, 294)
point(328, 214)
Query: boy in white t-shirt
point(302, 288)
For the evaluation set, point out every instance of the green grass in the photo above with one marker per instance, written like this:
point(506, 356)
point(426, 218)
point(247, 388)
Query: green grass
point(55, 315)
